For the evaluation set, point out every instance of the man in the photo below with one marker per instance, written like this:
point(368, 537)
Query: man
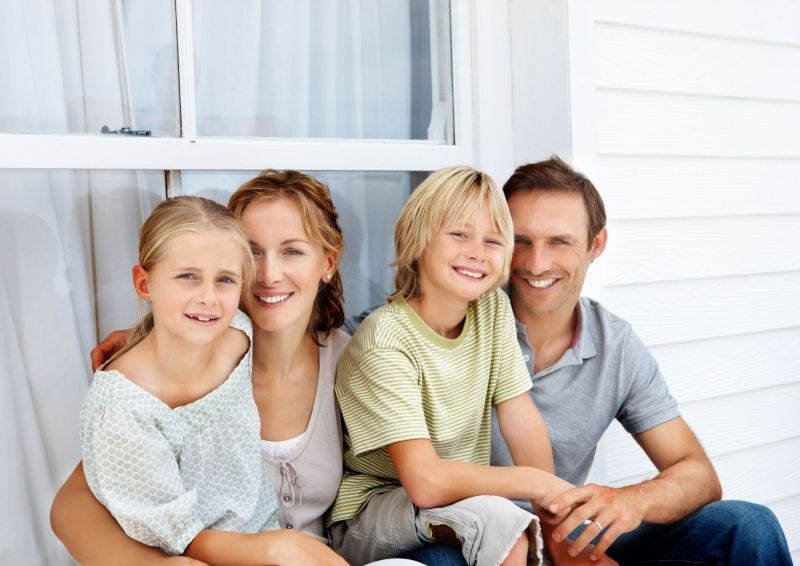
point(589, 367)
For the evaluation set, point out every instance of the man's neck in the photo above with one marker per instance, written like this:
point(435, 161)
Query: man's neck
point(550, 335)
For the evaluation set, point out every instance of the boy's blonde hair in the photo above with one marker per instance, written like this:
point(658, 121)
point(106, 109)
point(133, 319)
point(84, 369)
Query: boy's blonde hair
point(446, 196)
point(185, 215)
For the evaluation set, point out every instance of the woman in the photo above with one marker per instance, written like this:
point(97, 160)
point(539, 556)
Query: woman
point(296, 309)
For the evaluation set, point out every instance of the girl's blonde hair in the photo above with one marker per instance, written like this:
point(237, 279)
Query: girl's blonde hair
point(320, 221)
point(178, 216)
point(445, 197)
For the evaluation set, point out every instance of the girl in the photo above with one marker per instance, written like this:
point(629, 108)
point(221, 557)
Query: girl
point(169, 429)
point(417, 385)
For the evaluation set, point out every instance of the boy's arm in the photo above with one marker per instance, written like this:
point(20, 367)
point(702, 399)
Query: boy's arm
point(91, 534)
point(432, 481)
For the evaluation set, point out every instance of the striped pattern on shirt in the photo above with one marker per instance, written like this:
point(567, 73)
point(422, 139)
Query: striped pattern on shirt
point(399, 380)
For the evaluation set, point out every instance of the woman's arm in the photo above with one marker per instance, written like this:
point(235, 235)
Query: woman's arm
point(91, 534)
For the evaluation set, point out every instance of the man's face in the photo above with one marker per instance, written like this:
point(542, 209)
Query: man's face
point(551, 251)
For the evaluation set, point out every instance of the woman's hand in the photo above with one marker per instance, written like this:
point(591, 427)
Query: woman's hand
point(110, 345)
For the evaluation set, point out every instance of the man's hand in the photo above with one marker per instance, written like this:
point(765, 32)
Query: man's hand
point(612, 512)
point(111, 344)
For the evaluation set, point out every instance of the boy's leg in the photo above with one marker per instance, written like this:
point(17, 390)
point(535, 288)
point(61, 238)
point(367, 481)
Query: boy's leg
point(725, 532)
point(385, 528)
point(486, 526)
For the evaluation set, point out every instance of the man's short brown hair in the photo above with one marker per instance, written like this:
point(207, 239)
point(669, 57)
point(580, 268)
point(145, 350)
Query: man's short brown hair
point(555, 175)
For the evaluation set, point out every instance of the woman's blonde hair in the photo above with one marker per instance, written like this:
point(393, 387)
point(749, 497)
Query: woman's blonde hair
point(445, 197)
point(178, 216)
point(320, 221)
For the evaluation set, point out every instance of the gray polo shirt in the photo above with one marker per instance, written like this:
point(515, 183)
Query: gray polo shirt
point(608, 374)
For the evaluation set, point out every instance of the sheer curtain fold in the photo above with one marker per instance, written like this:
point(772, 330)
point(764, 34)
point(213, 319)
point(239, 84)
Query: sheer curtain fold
point(57, 228)
point(307, 68)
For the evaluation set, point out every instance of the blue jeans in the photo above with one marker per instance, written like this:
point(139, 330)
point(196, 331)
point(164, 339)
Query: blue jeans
point(725, 532)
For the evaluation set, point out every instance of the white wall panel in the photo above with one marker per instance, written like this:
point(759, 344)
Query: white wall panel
point(680, 311)
point(773, 21)
point(764, 474)
point(724, 425)
point(674, 187)
point(640, 123)
point(702, 369)
point(641, 251)
point(667, 61)
point(788, 513)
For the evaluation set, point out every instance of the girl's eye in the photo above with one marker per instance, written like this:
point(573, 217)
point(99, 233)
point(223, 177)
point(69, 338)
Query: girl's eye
point(226, 279)
point(186, 276)
point(256, 253)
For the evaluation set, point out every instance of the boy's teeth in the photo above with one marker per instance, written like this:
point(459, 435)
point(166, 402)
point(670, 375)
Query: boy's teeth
point(273, 299)
point(541, 284)
point(472, 274)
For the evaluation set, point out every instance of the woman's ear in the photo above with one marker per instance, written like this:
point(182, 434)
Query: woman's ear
point(140, 282)
point(331, 261)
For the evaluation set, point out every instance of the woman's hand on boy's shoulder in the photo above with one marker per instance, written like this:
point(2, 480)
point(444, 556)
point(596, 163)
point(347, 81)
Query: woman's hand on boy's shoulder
point(110, 345)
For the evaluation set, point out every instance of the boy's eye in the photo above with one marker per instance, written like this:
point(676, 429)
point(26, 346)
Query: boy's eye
point(459, 235)
point(494, 242)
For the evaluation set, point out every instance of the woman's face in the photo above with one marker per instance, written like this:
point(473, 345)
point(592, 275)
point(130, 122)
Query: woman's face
point(289, 266)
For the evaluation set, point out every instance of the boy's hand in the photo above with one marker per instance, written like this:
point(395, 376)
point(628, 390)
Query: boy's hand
point(110, 345)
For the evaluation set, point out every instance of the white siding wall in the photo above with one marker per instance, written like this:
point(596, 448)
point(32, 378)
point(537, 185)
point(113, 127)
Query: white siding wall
point(686, 115)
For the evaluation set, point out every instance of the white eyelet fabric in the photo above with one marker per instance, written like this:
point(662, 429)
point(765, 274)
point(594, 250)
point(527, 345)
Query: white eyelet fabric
point(166, 474)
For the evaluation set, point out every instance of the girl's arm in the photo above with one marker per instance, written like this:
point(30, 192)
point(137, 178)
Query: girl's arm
point(91, 534)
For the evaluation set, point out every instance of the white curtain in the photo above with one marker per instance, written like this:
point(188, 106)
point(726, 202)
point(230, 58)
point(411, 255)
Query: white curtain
point(325, 69)
point(68, 242)
point(306, 68)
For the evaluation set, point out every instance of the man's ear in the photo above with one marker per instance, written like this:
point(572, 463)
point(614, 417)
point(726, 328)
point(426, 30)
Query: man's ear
point(140, 282)
point(598, 244)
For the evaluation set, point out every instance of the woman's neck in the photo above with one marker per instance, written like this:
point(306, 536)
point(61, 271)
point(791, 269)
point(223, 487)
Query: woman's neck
point(283, 355)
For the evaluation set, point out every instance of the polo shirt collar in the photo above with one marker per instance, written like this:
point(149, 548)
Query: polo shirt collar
point(583, 346)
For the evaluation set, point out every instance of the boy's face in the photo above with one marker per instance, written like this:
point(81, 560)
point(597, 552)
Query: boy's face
point(463, 260)
point(551, 251)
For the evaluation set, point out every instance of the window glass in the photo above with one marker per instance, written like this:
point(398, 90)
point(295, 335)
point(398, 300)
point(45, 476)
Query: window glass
point(368, 204)
point(75, 67)
point(375, 69)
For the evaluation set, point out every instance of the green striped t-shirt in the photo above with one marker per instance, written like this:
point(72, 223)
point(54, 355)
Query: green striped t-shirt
point(399, 380)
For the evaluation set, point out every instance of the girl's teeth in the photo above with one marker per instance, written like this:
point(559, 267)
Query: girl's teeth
point(472, 274)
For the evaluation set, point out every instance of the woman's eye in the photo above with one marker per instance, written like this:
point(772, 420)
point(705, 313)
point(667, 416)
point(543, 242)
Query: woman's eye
point(294, 251)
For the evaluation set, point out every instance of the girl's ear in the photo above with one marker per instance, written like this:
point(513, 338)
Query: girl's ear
point(140, 282)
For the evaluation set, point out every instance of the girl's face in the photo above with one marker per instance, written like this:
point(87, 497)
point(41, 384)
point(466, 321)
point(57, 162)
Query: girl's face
point(289, 266)
point(463, 260)
point(194, 289)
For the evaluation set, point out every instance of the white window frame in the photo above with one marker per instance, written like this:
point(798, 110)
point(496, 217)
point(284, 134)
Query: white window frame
point(482, 121)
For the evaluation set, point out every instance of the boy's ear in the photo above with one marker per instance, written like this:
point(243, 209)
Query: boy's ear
point(140, 282)
point(598, 244)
